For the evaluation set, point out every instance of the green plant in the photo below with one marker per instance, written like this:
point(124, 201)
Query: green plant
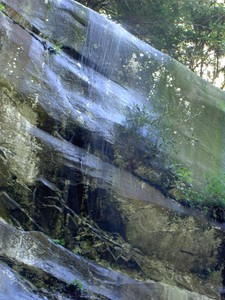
point(135, 141)
point(214, 196)
point(210, 200)
point(2, 7)
point(77, 250)
point(138, 117)
point(78, 284)
point(57, 48)
point(61, 242)
point(141, 145)
point(209, 271)
point(215, 189)
point(183, 180)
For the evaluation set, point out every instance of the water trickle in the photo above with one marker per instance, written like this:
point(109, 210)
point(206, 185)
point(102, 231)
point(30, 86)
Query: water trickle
point(101, 51)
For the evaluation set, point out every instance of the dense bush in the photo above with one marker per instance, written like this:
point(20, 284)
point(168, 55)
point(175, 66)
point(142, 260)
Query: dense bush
point(211, 198)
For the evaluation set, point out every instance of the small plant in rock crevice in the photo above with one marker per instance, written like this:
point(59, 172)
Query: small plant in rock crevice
point(61, 242)
point(78, 284)
point(2, 7)
point(58, 48)
point(54, 49)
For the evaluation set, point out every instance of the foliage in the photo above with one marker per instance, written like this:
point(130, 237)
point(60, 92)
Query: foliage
point(57, 48)
point(61, 242)
point(210, 200)
point(77, 250)
point(78, 284)
point(138, 117)
point(137, 147)
point(146, 139)
point(214, 195)
point(135, 142)
point(95, 4)
point(182, 180)
point(2, 7)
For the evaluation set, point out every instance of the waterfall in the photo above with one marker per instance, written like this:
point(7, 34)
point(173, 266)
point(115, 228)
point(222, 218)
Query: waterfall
point(123, 71)
point(101, 51)
point(83, 133)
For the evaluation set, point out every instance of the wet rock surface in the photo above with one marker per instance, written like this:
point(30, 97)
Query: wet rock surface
point(64, 101)
point(49, 271)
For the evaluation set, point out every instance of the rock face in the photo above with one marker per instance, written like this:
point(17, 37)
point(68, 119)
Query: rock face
point(69, 82)
point(33, 253)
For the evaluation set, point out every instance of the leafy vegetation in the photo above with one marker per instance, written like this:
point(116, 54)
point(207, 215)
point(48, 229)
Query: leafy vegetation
point(57, 48)
point(214, 196)
point(210, 200)
point(61, 242)
point(78, 284)
point(136, 142)
point(2, 7)
point(137, 147)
